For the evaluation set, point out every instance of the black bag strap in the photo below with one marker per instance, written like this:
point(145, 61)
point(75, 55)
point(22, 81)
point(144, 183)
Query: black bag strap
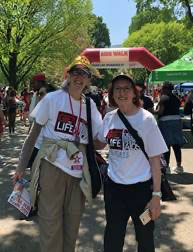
point(89, 123)
point(133, 132)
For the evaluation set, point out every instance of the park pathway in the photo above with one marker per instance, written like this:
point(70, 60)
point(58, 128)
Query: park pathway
point(174, 230)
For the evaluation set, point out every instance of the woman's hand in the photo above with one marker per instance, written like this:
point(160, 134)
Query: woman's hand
point(154, 207)
point(18, 175)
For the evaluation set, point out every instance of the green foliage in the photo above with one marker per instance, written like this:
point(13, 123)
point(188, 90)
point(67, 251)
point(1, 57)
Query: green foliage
point(167, 41)
point(34, 29)
point(106, 78)
point(181, 8)
point(152, 15)
point(99, 33)
point(100, 38)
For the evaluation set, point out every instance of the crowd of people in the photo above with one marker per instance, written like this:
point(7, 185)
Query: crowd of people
point(55, 150)
point(13, 103)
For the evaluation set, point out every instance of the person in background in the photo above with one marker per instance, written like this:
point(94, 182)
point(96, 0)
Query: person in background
point(2, 125)
point(103, 103)
point(170, 124)
point(1, 95)
point(5, 102)
point(147, 102)
point(95, 97)
point(2, 122)
point(188, 108)
point(11, 110)
point(20, 108)
point(38, 82)
point(128, 189)
point(26, 99)
point(61, 169)
point(155, 94)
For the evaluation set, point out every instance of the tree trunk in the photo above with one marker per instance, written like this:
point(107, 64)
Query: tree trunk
point(13, 70)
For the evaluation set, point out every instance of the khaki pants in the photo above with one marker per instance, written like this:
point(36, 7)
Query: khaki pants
point(60, 206)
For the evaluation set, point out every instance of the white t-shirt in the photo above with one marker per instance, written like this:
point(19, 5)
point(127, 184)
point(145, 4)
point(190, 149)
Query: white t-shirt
point(127, 163)
point(33, 104)
point(55, 113)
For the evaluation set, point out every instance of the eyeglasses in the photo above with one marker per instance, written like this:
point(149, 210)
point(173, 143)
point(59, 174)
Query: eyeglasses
point(79, 72)
point(119, 89)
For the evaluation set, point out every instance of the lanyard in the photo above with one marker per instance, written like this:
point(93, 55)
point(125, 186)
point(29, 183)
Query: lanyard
point(76, 131)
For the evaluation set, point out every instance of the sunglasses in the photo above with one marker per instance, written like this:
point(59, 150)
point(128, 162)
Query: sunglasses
point(80, 72)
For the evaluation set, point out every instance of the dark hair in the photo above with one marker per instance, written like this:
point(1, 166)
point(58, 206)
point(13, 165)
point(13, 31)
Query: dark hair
point(167, 86)
point(112, 102)
point(50, 88)
point(140, 84)
point(43, 83)
point(12, 93)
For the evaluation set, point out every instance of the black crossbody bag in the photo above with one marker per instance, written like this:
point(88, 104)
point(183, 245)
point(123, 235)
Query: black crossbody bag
point(97, 165)
point(167, 193)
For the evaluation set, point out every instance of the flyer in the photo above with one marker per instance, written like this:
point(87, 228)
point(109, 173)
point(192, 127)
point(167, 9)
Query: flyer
point(20, 198)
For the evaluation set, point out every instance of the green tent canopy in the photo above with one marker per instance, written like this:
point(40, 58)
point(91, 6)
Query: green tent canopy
point(180, 70)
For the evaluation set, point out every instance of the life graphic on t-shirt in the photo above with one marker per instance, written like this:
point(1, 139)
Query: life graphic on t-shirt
point(121, 142)
point(66, 123)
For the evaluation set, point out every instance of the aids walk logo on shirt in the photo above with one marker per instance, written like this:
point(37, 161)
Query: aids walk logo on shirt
point(65, 123)
point(121, 139)
point(114, 139)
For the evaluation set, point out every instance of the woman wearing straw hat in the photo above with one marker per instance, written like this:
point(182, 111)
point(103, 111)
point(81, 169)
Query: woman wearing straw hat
point(60, 171)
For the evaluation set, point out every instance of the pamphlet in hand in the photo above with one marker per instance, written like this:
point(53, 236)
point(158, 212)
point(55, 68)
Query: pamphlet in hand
point(20, 197)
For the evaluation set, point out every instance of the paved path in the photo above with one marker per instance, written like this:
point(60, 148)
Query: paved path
point(174, 230)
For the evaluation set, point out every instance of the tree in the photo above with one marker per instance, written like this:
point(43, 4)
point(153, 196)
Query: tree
point(100, 38)
point(152, 15)
point(181, 8)
point(99, 33)
point(167, 41)
point(61, 55)
point(30, 28)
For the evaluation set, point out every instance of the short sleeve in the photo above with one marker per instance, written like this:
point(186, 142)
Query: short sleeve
point(101, 135)
point(154, 142)
point(41, 112)
point(96, 120)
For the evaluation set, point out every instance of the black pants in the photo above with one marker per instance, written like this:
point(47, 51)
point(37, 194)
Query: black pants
point(177, 153)
point(121, 203)
point(12, 117)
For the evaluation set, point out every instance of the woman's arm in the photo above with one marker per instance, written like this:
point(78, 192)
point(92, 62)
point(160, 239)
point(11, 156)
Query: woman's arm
point(156, 172)
point(160, 109)
point(154, 204)
point(27, 151)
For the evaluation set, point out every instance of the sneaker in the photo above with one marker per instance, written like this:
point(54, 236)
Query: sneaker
point(179, 169)
point(168, 170)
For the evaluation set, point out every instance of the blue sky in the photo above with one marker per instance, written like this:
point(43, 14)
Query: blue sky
point(117, 15)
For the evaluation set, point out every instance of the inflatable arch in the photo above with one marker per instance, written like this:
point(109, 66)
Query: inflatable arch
point(122, 58)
